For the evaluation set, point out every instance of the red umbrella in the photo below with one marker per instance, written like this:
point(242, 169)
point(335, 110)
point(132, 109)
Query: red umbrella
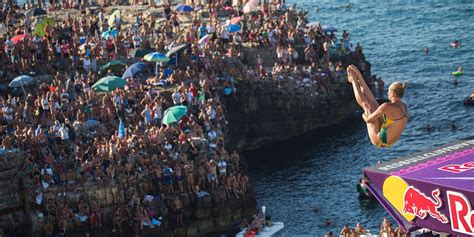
point(235, 20)
point(18, 38)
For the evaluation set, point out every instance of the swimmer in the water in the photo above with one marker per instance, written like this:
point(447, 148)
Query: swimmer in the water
point(459, 71)
point(426, 50)
point(386, 122)
point(456, 44)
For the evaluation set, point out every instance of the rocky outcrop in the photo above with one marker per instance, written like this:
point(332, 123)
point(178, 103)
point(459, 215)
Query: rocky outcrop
point(12, 202)
point(266, 111)
point(204, 216)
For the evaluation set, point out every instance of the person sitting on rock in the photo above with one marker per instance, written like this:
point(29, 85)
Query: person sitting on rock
point(386, 122)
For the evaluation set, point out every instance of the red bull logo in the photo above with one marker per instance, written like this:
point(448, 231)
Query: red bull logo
point(418, 204)
point(461, 213)
point(455, 168)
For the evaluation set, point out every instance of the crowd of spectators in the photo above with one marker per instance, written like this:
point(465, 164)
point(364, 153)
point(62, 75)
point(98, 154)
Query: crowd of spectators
point(68, 133)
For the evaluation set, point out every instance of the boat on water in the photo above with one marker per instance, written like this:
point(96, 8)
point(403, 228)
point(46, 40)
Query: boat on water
point(269, 228)
point(266, 232)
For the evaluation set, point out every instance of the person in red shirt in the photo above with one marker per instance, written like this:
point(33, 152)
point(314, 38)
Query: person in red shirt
point(193, 89)
point(65, 49)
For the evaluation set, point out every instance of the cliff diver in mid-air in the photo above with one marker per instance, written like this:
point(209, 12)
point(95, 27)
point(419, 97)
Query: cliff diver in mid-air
point(386, 122)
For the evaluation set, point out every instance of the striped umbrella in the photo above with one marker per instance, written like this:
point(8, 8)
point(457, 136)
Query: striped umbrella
point(156, 58)
point(109, 33)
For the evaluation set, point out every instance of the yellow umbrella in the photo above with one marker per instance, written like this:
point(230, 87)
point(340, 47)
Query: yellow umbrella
point(39, 29)
point(116, 15)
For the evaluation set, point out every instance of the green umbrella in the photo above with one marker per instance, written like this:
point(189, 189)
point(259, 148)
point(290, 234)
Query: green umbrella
point(109, 83)
point(39, 29)
point(173, 114)
point(114, 66)
point(138, 53)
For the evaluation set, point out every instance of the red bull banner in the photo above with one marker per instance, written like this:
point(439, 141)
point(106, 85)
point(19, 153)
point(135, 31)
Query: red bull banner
point(432, 189)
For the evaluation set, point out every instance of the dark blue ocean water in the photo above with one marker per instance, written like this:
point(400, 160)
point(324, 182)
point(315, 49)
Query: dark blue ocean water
point(320, 170)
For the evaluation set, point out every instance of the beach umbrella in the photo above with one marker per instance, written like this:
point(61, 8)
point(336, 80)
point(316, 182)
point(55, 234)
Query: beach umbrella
point(204, 40)
point(114, 17)
point(18, 38)
point(250, 6)
point(139, 53)
point(35, 12)
point(184, 8)
point(329, 29)
point(313, 24)
point(83, 46)
point(235, 20)
point(115, 66)
point(233, 28)
point(39, 29)
point(20, 81)
point(133, 70)
point(109, 33)
point(173, 114)
point(109, 83)
point(92, 123)
point(176, 49)
point(156, 57)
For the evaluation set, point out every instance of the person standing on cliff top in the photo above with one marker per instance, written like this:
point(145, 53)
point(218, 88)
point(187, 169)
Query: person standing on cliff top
point(386, 122)
point(179, 210)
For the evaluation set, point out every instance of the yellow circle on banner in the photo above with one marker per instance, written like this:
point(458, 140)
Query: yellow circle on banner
point(394, 188)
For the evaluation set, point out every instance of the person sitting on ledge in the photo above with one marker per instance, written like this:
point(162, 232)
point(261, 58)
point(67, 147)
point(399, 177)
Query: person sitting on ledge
point(386, 122)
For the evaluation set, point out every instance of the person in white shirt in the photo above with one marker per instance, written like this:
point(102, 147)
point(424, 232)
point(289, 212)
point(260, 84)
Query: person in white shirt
point(137, 40)
point(176, 97)
point(64, 133)
point(86, 62)
point(55, 128)
point(222, 166)
point(212, 135)
point(157, 114)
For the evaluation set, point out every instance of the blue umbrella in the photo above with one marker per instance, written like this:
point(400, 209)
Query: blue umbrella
point(111, 33)
point(20, 81)
point(184, 8)
point(156, 58)
point(233, 28)
point(329, 29)
point(92, 123)
point(133, 70)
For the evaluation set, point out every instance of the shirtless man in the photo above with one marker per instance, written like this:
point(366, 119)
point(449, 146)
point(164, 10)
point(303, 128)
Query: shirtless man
point(212, 174)
point(179, 210)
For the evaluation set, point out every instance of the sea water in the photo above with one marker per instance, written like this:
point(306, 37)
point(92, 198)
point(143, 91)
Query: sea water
point(310, 179)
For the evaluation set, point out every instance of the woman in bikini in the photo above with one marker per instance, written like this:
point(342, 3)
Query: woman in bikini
point(386, 122)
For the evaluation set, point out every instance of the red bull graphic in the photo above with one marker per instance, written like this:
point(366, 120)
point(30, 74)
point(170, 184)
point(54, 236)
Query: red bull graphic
point(461, 213)
point(431, 189)
point(458, 168)
point(418, 204)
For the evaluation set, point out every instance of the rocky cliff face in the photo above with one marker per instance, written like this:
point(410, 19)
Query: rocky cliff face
point(205, 216)
point(264, 111)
